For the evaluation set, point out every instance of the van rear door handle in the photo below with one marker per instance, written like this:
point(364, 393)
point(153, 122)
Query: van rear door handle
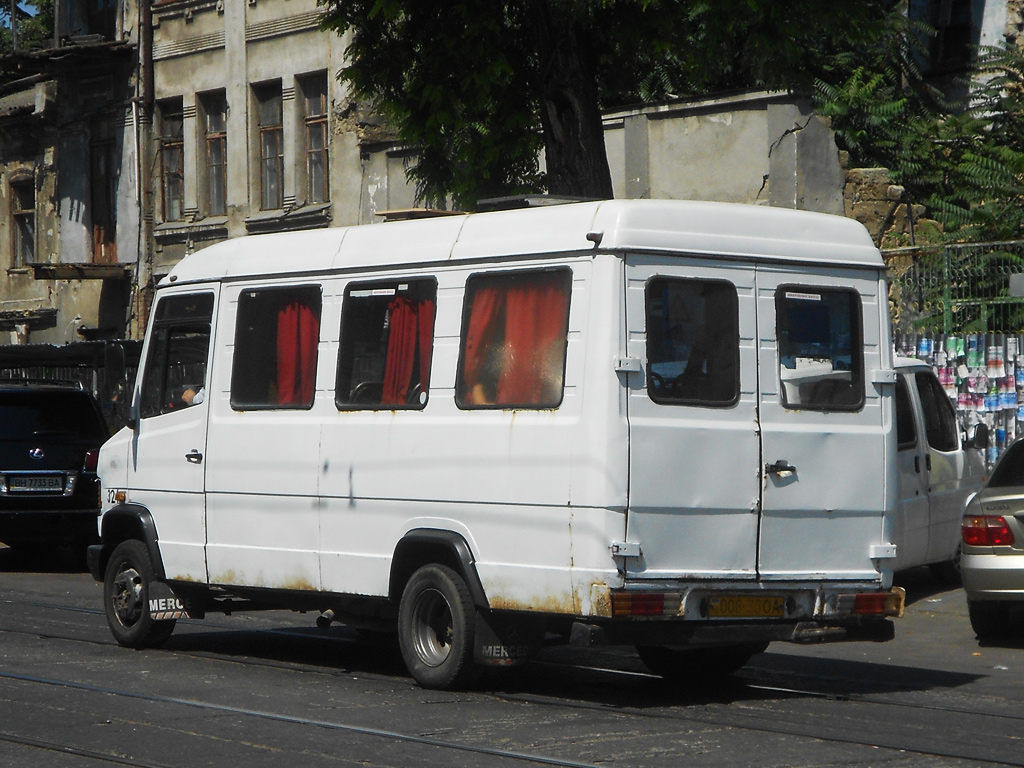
point(779, 467)
point(194, 457)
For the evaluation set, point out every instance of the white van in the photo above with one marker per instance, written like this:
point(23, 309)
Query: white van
point(662, 424)
point(940, 470)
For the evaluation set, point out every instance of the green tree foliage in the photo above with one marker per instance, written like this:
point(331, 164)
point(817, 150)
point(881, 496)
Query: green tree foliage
point(479, 87)
point(965, 161)
point(32, 29)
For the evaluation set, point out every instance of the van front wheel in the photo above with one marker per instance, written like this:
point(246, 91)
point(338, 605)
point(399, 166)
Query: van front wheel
point(126, 587)
point(436, 628)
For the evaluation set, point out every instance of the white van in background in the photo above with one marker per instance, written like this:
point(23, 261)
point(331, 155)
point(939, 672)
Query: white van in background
point(662, 424)
point(940, 470)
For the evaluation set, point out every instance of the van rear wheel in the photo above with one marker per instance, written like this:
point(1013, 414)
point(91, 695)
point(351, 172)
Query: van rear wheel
point(696, 665)
point(436, 628)
point(126, 587)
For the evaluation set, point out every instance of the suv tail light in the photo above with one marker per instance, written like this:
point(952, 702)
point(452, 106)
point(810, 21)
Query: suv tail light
point(986, 531)
point(91, 461)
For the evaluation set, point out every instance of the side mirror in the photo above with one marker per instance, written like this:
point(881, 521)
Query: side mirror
point(977, 436)
point(133, 414)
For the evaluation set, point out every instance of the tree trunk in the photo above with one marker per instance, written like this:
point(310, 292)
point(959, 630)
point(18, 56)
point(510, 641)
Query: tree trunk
point(570, 115)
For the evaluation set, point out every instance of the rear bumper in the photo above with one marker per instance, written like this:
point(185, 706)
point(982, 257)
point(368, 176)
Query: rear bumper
point(708, 634)
point(57, 526)
point(993, 577)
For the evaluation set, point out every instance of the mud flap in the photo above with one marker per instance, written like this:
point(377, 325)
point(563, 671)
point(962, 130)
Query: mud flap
point(507, 640)
point(164, 605)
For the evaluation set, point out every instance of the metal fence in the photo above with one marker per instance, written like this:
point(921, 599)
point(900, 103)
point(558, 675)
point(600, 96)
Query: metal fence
point(954, 307)
point(957, 289)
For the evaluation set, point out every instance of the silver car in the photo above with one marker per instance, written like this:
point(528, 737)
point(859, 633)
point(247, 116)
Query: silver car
point(993, 546)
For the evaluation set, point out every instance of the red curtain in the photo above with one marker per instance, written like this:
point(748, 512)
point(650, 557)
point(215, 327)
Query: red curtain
point(298, 333)
point(535, 338)
point(401, 351)
point(487, 304)
point(411, 325)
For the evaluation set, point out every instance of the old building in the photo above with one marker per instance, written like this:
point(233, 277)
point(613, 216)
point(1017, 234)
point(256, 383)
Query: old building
point(62, 134)
point(149, 129)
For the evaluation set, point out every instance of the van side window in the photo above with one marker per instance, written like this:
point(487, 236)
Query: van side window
point(387, 339)
point(514, 339)
point(175, 367)
point(693, 342)
point(277, 332)
point(906, 433)
point(821, 356)
point(939, 414)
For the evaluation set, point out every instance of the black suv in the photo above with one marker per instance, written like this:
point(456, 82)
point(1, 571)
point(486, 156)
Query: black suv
point(50, 435)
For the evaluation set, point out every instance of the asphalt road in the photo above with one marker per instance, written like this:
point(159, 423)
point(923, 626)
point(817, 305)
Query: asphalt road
point(270, 689)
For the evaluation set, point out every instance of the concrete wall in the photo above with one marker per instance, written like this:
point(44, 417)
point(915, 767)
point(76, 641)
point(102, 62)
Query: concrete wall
point(756, 148)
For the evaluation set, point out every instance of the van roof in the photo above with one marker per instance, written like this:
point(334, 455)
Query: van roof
point(726, 230)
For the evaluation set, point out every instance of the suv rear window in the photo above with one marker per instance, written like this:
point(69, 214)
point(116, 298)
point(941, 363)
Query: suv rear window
point(31, 414)
point(1009, 472)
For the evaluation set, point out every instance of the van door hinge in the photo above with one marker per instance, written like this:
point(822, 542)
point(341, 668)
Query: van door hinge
point(883, 551)
point(883, 376)
point(627, 365)
point(625, 549)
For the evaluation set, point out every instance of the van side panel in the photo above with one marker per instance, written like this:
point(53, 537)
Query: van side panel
point(261, 480)
point(383, 473)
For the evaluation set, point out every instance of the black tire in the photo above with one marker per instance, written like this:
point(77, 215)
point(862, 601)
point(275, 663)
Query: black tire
point(988, 618)
point(696, 666)
point(126, 586)
point(437, 627)
point(948, 572)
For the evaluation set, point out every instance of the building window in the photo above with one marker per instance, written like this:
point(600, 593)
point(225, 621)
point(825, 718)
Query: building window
point(270, 123)
point(172, 151)
point(314, 115)
point(23, 210)
point(103, 200)
point(514, 340)
point(215, 115)
point(277, 334)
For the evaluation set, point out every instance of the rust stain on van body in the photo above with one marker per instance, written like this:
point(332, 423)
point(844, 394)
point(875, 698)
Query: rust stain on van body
point(599, 602)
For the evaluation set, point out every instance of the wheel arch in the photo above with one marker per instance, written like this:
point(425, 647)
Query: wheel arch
point(422, 546)
point(130, 521)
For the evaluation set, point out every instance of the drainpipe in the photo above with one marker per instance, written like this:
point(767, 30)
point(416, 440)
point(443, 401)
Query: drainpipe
point(143, 115)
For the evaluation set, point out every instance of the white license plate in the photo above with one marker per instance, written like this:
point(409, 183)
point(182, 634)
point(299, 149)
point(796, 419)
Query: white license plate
point(29, 483)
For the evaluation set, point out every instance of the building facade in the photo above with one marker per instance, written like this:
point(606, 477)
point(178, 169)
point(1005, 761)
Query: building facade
point(151, 129)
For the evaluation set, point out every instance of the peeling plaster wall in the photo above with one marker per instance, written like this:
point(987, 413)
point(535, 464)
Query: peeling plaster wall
point(755, 148)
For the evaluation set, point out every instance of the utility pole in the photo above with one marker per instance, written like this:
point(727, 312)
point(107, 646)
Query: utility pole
point(14, 25)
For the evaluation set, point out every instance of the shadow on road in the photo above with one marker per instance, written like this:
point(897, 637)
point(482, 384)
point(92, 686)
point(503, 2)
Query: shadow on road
point(606, 678)
point(42, 559)
point(921, 584)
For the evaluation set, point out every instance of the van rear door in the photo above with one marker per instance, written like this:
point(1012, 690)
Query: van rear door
point(694, 448)
point(757, 447)
point(826, 439)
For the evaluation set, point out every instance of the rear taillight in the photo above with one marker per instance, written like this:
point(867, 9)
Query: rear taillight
point(91, 460)
point(638, 604)
point(889, 603)
point(986, 531)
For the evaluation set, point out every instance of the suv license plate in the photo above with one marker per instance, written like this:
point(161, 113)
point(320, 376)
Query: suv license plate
point(746, 607)
point(29, 483)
